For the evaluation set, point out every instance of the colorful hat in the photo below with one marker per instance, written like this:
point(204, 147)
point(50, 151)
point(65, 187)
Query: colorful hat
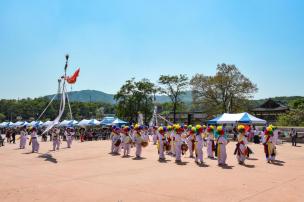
point(269, 130)
point(126, 128)
point(199, 128)
point(210, 129)
point(138, 127)
point(241, 128)
point(169, 128)
point(220, 130)
point(193, 130)
point(161, 129)
point(178, 128)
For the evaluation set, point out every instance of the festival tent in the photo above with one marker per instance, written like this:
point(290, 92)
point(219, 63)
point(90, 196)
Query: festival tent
point(19, 124)
point(35, 123)
point(10, 125)
point(68, 123)
point(92, 122)
point(236, 118)
point(84, 122)
point(47, 123)
point(107, 121)
point(4, 124)
point(118, 122)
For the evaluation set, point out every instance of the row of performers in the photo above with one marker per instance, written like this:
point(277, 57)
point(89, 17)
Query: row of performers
point(176, 140)
point(25, 133)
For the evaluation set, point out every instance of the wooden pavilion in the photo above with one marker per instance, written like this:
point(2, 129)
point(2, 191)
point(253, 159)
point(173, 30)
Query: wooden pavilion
point(270, 110)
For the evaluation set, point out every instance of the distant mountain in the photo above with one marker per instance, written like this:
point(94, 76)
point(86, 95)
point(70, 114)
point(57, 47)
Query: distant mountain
point(187, 98)
point(89, 96)
point(99, 96)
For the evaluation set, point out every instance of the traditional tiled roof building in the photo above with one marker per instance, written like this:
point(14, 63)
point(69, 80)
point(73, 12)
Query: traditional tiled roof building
point(270, 110)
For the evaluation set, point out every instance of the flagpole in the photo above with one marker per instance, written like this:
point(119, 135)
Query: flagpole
point(64, 84)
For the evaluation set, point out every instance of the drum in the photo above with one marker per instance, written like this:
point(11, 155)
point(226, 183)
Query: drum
point(117, 143)
point(167, 146)
point(184, 147)
point(144, 143)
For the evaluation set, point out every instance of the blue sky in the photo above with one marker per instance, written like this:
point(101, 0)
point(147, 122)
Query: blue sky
point(112, 41)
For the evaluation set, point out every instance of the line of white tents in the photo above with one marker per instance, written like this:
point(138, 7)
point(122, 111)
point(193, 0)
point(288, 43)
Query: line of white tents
point(107, 121)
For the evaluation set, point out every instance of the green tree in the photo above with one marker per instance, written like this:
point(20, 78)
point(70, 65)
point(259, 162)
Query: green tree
point(30, 109)
point(227, 91)
point(173, 86)
point(134, 97)
point(2, 117)
point(295, 117)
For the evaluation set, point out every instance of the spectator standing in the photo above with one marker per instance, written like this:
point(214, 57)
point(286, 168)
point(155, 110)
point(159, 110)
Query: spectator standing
point(294, 136)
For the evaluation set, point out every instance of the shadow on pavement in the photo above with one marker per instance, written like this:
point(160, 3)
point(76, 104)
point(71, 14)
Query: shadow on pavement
point(138, 158)
point(252, 159)
point(126, 157)
point(249, 166)
point(48, 157)
point(163, 161)
point(226, 167)
point(203, 165)
point(182, 163)
point(278, 162)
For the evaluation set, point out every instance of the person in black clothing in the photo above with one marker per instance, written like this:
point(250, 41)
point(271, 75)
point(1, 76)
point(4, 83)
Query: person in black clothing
point(1, 141)
point(13, 137)
point(8, 136)
point(235, 133)
point(294, 136)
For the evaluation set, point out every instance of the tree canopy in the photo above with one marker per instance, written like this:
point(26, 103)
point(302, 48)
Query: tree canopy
point(134, 97)
point(30, 109)
point(226, 91)
point(173, 86)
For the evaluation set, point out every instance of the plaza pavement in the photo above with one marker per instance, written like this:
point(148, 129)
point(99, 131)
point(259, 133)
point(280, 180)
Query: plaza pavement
point(87, 172)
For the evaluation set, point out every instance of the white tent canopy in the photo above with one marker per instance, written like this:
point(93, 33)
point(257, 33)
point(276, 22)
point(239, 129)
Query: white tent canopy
point(94, 122)
point(107, 121)
point(47, 123)
point(35, 123)
point(4, 124)
point(86, 122)
point(237, 118)
point(68, 123)
point(19, 124)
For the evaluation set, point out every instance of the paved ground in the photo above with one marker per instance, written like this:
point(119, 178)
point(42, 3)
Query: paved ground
point(88, 173)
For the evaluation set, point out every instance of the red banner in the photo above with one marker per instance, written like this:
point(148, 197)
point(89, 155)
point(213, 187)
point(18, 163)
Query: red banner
point(72, 79)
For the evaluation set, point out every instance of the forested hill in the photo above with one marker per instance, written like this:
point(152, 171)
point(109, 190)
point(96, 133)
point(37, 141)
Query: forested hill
point(99, 96)
point(89, 96)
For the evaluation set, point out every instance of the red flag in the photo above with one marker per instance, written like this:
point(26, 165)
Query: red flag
point(73, 78)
